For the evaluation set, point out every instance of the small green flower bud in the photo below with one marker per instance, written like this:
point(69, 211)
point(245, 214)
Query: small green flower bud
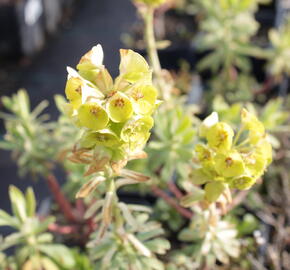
point(144, 97)
point(229, 164)
point(136, 132)
point(73, 91)
point(204, 153)
point(103, 137)
point(243, 182)
point(92, 116)
point(119, 107)
point(205, 156)
point(255, 163)
point(220, 136)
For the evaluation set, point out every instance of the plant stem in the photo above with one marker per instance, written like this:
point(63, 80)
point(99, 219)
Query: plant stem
point(214, 216)
point(148, 17)
point(110, 202)
point(174, 189)
point(150, 40)
point(62, 229)
point(60, 199)
point(266, 87)
point(160, 193)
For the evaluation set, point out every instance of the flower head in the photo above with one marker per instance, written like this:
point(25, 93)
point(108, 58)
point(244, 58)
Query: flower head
point(114, 114)
point(228, 158)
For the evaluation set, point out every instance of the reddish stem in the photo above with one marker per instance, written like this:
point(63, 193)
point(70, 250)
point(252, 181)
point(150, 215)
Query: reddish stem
point(266, 86)
point(60, 199)
point(80, 207)
point(160, 193)
point(175, 190)
point(62, 229)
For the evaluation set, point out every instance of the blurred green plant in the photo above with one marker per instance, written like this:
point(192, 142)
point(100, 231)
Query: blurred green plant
point(28, 135)
point(34, 245)
point(226, 32)
point(37, 144)
point(131, 243)
point(168, 215)
point(171, 146)
point(214, 239)
point(280, 52)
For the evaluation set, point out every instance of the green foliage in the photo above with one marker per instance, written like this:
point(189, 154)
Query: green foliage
point(174, 136)
point(226, 31)
point(82, 261)
point(280, 52)
point(214, 240)
point(236, 88)
point(36, 143)
point(228, 27)
point(34, 246)
point(168, 215)
point(28, 134)
point(131, 243)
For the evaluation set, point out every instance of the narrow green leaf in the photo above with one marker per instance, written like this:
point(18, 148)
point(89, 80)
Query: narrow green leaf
point(30, 202)
point(7, 220)
point(158, 245)
point(18, 203)
point(59, 253)
point(143, 236)
point(93, 209)
point(192, 198)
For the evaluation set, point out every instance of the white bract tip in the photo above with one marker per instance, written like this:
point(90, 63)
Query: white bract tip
point(89, 94)
point(211, 120)
point(208, 122)
point(72, 73)
point(97, 55)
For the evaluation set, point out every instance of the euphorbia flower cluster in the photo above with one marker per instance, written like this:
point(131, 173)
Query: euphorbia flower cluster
point(114, 114)
point(232, 160)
